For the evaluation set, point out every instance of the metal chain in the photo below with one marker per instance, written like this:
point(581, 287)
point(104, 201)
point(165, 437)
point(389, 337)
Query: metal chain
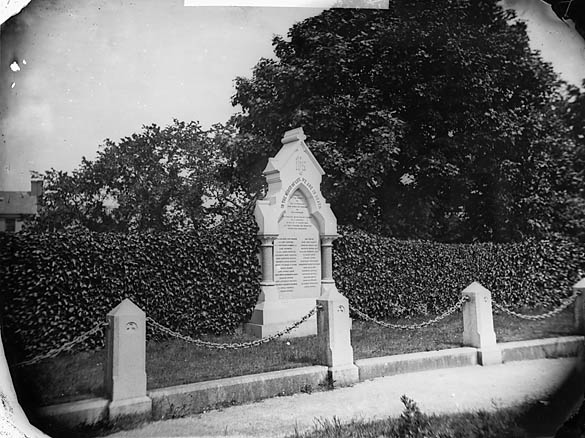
point(564, 304)
point(448, 312)
point(66, 346)
point(235, 346)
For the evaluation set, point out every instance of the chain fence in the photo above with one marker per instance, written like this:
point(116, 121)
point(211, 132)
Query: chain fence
point(201, 343)
point(65, 347)
point(416, 326)
point(233, 346)
point(564, 304)
point(257, 342)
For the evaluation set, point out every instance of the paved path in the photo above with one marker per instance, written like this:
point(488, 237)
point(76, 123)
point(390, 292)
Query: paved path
point(439, 391)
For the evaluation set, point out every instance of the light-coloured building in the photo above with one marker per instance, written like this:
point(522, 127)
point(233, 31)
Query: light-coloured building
point(16, 207)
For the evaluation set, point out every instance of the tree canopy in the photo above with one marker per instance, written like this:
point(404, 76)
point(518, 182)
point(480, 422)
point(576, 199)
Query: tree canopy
point(158, 179)
point(431, 119)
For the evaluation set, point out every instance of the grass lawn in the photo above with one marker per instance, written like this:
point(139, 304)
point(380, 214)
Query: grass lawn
point(75, 376)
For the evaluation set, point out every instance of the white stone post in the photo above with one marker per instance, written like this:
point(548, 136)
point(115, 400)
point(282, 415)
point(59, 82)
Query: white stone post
point(125, 376)
point(333, 333)
point(580, 306)
point(478, 324)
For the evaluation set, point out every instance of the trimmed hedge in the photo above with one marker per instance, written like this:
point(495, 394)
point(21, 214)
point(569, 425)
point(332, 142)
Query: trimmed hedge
point(57, 286)
point(387, 278)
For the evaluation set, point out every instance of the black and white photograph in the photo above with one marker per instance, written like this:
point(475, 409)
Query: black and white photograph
point(292, 219)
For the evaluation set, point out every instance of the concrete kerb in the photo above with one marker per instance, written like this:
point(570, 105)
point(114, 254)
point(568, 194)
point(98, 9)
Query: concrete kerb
point(199, 397)
point(195, 398)
point(565, 346)
point(408, 363)
point(90, 411)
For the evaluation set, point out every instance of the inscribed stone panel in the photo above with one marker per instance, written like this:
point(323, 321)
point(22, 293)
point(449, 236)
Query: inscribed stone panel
point(297, 258)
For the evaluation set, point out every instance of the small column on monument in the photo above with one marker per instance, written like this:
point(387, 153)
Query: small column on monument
point(268, 290)
point(327, 259)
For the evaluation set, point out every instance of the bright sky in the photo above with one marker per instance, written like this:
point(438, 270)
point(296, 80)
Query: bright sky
point(557, 41)
point(101, 69)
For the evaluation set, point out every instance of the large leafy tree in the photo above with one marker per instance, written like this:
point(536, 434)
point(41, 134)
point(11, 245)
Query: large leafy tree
point(70, 200)
point(572, 211)
point(157, 179)
point(432, 119)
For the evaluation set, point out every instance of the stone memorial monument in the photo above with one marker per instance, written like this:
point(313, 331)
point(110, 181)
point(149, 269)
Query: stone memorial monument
point(296, 230)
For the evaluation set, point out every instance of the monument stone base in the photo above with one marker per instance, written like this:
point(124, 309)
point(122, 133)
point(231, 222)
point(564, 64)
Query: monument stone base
point(270, 317)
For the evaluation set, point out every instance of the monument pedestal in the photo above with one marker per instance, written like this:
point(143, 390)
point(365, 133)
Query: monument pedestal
point(270, 317)
point(296, 227)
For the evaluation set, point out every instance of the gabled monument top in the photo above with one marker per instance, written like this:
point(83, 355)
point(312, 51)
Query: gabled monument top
point(296, 134)
point(293, 142)
point(293, 169)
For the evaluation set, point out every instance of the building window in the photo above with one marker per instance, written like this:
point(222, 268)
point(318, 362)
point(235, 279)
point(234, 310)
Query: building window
point(10, 225)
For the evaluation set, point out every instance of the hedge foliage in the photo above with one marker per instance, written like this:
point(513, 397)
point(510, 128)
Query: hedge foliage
point(57, 286)
point(387, 278)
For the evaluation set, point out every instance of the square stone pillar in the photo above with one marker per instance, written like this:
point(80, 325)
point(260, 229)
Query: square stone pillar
point(333, 333)
point(125, 374)
point(478, 324)
point(580, 306)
